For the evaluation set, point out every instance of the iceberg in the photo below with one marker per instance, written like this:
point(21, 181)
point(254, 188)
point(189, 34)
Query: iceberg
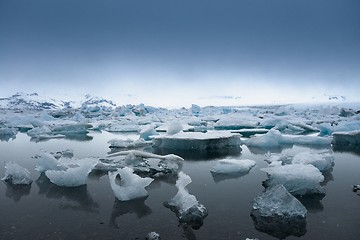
point(230, 166)
point(298, 179)
point(73, 176)
point(131, 185)
point(278, 213)
point(16, 174)
point(186, 206)
point(198, 140)
point(147, 133)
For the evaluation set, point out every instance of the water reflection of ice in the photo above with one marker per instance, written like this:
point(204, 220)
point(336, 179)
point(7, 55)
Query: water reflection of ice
point(218, 177)
point(137, 207)
point(16, 192)
point(78, 197)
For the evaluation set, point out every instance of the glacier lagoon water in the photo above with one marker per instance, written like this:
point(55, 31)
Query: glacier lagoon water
point(45, 211)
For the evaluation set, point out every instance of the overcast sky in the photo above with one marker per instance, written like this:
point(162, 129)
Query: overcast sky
point(178, 52)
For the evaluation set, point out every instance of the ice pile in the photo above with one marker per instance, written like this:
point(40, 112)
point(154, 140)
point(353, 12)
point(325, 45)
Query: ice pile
point(186, 207)
point(274, 139)
point(16, 174)
point(323, 161)
point(298, 179)
point(231, 166)
point(131, 185)
point(278, 213)
point(198, 141)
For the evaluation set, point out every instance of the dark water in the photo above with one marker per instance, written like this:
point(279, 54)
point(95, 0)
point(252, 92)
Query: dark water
point(45, 211)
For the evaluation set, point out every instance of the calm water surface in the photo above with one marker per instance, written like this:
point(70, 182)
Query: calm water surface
point(45, 211)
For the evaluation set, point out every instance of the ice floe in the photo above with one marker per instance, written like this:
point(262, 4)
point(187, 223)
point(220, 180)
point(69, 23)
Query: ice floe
point(131, 185)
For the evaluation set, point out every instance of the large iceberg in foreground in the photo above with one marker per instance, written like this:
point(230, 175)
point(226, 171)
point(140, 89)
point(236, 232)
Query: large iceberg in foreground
point(198, 140)
point(278, 213)
point(131, 185)
point(298, 179)
point(186, 207)
point(73, 176)
point(16, 174)
point(229, 166)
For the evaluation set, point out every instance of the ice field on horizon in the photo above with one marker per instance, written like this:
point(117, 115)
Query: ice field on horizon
point(144, 147)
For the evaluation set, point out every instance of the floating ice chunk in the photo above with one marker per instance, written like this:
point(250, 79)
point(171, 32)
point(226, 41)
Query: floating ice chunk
point(131, 185)
point(38, 131)
point(274, 139)
point(195, 109)
point(298, 179)
point(247, 132)
point(48, 162)
point(278, 213)
point(122, 128)
point(118, 143)
point(72, 176)
point(16, 174)
point(349, 139)
point(229, 166)
point(235, 123)
point(322, 161)
point(186, 206)
point(147, 132)
point(276, 201)
point(198, 140)
point(174, 127)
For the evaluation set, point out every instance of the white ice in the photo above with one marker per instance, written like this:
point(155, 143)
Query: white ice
point(228, 166)
point(276, 202)
point(131, 185)
point(198, 140)
point(128, 143)
point(298, 179)
point(16, 174)
point(73, 176)
point(47, 161)
point(322, 161)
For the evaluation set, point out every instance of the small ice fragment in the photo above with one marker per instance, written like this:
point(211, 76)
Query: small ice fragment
point(131, 185)
point(228, 166)
point(153, 236)
point(16, 174)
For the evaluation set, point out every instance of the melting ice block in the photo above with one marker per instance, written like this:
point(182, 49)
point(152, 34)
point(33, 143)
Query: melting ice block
point(131, 185)
point(229, 166)
point(73, 176)
point(16, 174)
point(186, 206)
point(198, 140)
point(298, 179)
point(48, 162)
point(278, 213)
